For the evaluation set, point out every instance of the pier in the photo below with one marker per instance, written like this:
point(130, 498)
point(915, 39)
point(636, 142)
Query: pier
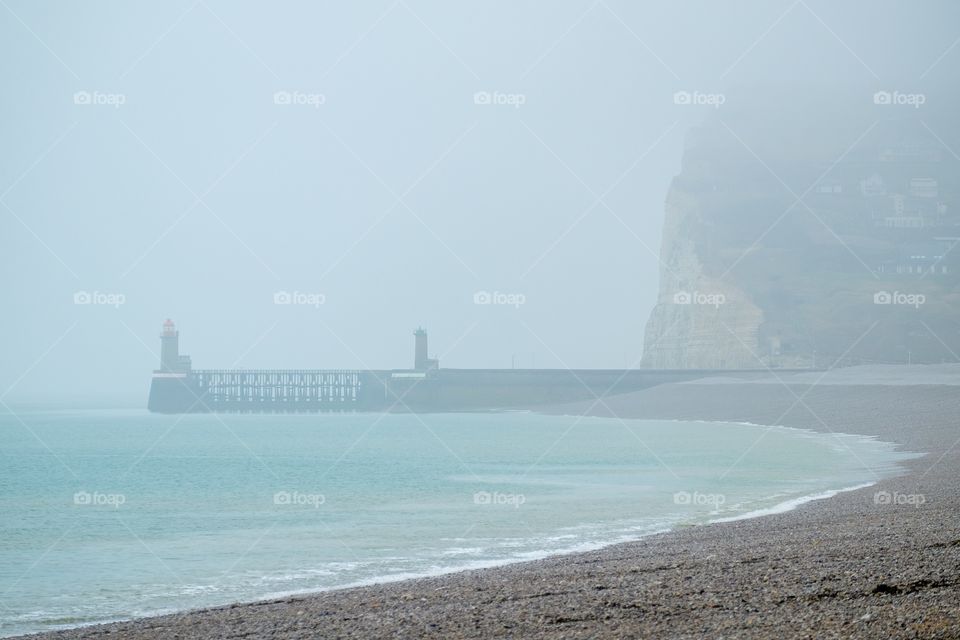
point(177, 387)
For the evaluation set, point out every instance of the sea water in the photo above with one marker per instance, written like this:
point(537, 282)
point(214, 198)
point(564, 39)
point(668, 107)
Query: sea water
point(113, 514)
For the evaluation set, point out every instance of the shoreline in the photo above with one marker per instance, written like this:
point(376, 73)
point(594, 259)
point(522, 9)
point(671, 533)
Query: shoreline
point(481, 565)
point(794, 503)
point(413, 601)
point(783, 506)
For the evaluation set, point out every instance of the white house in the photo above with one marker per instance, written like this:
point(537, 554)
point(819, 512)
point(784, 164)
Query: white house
point(923, 187)
point(904, 222)
point(872, 187)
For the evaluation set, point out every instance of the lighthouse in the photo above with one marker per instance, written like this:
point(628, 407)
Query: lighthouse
point(170, 359)
point(421, 361)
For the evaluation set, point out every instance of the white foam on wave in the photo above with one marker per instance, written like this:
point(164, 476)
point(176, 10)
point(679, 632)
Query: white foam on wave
point(463, 551)
point(489, 563)
point(789, 505)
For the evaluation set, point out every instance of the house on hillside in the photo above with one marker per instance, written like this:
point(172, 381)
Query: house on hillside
point(873, 187)
point(904, 222)
point(924, 187)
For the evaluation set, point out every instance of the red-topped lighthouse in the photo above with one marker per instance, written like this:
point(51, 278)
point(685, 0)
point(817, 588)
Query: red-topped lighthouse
point(170, 359)
point(173, 388)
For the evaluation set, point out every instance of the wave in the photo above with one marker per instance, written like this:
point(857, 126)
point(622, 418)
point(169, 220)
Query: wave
point(789, 505)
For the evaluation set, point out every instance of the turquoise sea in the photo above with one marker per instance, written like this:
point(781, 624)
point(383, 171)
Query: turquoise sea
point(112, 514)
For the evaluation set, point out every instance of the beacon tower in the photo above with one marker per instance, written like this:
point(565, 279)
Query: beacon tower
point(421, 361)
point(170, 359)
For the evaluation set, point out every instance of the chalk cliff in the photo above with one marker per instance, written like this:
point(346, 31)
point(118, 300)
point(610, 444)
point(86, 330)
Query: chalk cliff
point(794, 243)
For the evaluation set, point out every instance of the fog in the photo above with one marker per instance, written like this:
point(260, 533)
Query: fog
point(380, 162)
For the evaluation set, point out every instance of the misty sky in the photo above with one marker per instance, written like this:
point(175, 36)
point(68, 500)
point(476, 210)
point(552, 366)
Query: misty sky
point(384, 187)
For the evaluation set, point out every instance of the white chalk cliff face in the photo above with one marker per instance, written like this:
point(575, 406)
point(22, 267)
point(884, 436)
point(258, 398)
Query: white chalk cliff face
point(699, 322)
point(778, 250)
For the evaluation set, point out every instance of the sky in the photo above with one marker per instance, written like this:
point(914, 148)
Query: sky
point(303, 184)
